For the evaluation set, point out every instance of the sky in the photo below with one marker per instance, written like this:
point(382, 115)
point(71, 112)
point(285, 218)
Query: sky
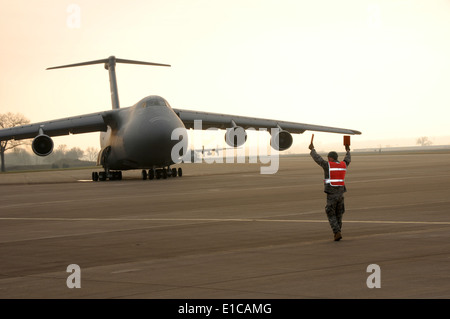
point(380, 67)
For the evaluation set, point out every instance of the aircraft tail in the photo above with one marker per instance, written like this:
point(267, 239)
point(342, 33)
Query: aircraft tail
point(110, 65)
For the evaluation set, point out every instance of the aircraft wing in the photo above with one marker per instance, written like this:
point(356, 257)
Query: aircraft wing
point(223, 121)
point(71, 125)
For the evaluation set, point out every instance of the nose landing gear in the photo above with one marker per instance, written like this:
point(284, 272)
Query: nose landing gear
point(153, 173)
point(103, 176)
point(161, 173)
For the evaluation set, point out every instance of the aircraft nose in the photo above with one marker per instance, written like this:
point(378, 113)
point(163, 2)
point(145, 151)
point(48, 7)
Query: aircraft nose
point(158, 140)
point(159, 133)
point(148, 137)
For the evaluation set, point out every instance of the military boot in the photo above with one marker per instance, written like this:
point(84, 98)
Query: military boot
point(337, 236)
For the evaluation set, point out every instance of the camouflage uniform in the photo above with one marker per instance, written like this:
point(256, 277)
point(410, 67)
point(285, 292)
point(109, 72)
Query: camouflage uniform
point(335, 194)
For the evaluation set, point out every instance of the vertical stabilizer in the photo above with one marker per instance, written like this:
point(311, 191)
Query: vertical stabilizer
point(111, 67)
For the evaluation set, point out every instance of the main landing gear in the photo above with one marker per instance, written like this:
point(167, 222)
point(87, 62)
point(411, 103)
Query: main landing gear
point(161, 173)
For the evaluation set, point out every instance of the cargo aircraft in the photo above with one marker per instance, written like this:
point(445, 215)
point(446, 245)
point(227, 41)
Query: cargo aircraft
point(140, 136)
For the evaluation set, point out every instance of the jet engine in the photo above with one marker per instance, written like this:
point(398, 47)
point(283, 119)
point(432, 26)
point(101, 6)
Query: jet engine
point(281, 140)
point(42, 145)
point(235, 136)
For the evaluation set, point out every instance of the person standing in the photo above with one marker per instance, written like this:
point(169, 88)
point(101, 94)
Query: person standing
point(334, 186)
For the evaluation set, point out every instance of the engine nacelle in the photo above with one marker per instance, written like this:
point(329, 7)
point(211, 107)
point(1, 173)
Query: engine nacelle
point(42, 145)
point(281, 140)
point(235, 136)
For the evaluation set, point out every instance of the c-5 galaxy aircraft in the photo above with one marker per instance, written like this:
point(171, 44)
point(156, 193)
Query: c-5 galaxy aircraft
point(140, 136)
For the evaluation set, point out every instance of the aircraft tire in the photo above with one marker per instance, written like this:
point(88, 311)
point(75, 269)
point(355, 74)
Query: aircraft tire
point(102, 176)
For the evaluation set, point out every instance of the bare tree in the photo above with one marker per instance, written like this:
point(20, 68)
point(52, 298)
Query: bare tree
point(74, 153)
point(10, 120)
point(91, 154)
point(423, 141)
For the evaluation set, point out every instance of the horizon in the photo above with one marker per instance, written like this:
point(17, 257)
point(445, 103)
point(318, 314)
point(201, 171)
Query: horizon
point(380, 67)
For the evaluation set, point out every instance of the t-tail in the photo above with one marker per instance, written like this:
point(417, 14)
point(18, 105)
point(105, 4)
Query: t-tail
point(110, 65)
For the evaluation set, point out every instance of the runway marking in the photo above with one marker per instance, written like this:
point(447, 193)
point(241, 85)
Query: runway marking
point(397, 178)
point(224, 220)
point(125, 271)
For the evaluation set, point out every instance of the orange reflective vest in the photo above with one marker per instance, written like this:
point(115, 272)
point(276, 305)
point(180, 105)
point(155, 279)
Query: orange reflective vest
point(336, 174)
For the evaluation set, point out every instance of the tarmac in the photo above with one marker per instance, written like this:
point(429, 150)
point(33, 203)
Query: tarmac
point(228, 231)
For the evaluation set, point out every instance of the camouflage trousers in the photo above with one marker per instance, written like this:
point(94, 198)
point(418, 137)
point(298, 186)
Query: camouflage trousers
point(335, 209)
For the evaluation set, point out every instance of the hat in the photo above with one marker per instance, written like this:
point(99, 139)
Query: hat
point(333, 155)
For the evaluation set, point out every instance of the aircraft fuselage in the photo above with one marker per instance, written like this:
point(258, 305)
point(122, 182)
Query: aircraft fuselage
point(141, 137)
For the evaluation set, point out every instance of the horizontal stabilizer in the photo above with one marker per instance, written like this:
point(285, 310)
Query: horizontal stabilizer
point(140, 62)
point(110, 60)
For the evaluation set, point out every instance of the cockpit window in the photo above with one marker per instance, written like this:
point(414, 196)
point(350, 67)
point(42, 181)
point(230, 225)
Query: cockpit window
point(156, 101)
